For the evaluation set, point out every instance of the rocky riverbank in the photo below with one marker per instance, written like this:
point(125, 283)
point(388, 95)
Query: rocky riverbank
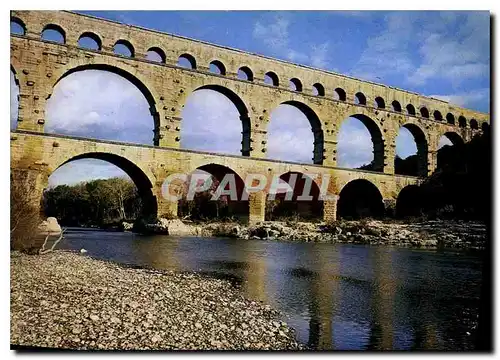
point(68, 300)
point(421, 234)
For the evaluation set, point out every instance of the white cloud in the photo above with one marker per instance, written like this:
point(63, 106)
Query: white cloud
point(443, 140)
point(274, 34)
point(211, 122)
point(14, 101)
point(405, 143)
point(99, 104)
point(354, 144)
point(465, 99)
point(421, 47)
point(387, 53)
point(451, 58)
point(84, 170)
point(289, 135)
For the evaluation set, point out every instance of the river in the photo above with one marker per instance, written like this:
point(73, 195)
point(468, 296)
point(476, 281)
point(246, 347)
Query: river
point(336, 296)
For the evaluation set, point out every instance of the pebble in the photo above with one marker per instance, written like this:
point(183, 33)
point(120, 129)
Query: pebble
point(122, 308)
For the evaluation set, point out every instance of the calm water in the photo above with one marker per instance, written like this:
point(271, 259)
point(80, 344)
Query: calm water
point(344, 297)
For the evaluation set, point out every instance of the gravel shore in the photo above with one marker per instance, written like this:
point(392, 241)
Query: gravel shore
point(68, 300)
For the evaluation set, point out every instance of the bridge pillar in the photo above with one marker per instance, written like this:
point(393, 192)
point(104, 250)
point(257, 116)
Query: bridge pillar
point(432, 153)
point(330, 153)
point(168, 134)
point(165, 208)
point(431, 161)
point(379, 161)
point(27, 185)
point(32, 101)
point(330, 211)
point(389, 152)
point(390, 206)
point(257, 207)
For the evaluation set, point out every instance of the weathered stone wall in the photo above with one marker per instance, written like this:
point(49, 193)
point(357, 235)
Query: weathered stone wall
point(149, 166)
point(39, 65)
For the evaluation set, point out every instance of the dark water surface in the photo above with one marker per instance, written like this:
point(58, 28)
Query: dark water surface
point(335, 296)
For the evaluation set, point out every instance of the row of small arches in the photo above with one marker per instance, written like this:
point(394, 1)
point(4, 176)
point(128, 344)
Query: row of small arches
point(91, 41)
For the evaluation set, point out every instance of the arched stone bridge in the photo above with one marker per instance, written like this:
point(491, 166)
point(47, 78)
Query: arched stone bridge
point(326, 98)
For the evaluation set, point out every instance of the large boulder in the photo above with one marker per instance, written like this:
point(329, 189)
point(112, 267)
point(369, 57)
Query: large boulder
point(173, 227)
point(49, 227)
point(177, 228)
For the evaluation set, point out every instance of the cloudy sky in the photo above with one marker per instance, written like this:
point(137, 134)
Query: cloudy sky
point(441, 54)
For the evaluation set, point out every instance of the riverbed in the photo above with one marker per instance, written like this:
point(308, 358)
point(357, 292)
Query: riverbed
point(335, 296)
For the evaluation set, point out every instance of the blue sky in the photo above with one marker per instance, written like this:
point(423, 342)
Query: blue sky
point(441, 54)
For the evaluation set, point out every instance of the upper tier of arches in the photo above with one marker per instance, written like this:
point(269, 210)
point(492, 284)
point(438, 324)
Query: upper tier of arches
point(307, 78)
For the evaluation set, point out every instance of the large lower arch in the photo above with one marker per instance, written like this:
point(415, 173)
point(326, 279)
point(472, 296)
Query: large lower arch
point(415, 165)
point(131, 78)
point(317, 131)
point(450, 149)
point(303, 201)
point(360, 198)
point(140, 179)
point(409, 202)
point(377, 163)
point(227, 205)
point(242, 111)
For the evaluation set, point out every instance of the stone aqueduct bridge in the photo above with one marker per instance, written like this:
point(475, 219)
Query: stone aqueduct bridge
point(326, 99)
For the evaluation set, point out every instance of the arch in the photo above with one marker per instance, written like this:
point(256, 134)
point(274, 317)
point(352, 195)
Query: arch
point(448, 154)
point(416, 165)
point(242, 110)
point(455, 138)
point(226, 206)
point(437, 115)
point(96, 43)
point(307, 206)
point(19, 27)
point(54, 30)
point(462, 122)
point(315, 123)
point(138, 176)
point(410, 109)
point(360, 98)
point(360, 198)
point(409, 202)
point(187, 61)
point(450, 119)
point(379, 102)
point(485, 126)
point(396, 106)
point(424, 112)
point(340, 94)
point(217, 67)
point(318, 89)
point(14, 99)
point(473, 124)
point(244, 73)
point(271, 78)
point(121, 48)
point(133, 79)
point(377, 140)
point(156, 54)
point(295, 85)
point(16, 78)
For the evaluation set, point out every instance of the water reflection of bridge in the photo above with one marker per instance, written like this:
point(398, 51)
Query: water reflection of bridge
point(353, 301)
